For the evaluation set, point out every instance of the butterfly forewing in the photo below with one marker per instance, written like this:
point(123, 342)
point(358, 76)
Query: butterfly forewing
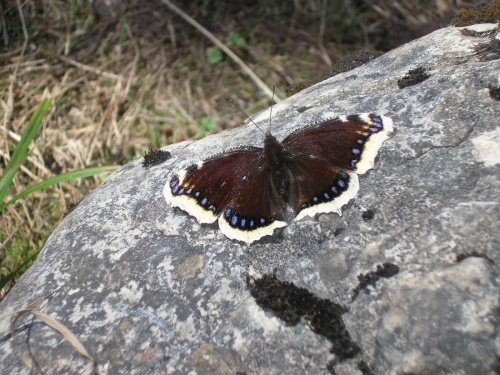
point(349, 143)
point(206, 188)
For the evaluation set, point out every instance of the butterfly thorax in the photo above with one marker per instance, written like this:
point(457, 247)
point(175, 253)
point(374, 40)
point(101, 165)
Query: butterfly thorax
point(274, 152)
point(275, 161)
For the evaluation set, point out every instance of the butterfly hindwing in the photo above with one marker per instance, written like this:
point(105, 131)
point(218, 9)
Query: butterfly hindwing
point(319, 187)
point(256, 211)
point(327, 157)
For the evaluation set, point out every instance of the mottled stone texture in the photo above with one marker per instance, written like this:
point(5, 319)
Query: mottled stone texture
point(149, 291)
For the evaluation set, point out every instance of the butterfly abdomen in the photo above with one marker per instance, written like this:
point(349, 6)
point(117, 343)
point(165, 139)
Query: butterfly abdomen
point(275, 159)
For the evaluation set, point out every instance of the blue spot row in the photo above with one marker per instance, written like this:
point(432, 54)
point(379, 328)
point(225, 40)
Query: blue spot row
point(377, 120)
point(203, 201)
point(375, 127)
point(340, 185)
point(245, 223)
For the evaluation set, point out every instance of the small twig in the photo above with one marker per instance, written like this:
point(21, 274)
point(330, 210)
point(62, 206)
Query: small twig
point(88, 68)
point(322, 23)
point(2, 245)
point(31, 159)
point(55, 325)
point(6, 68)
point(133, 71)
point(322, 26)
point(171, 30)
point(222, 46)
point(10, 99)
point(4, 27)
point(33, 176)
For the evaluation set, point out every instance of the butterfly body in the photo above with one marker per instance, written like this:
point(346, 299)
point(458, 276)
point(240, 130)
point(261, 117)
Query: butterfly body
point(314, 170)
point(275, 160)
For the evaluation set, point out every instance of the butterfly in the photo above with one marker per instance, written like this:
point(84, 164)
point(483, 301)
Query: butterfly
point(314, 170)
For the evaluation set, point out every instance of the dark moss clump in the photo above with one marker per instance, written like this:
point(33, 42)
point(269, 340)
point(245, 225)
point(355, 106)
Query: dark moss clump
point(368, 215)
point(291, 303)
point(462, 256)
point(488, 51)
point(413, 77)
point(385, 270)
point(470, 32)
point(364, 368)
point(486, 12)
point(494, 92)
point(155, 157)
point(352, 61)
point(297, 87)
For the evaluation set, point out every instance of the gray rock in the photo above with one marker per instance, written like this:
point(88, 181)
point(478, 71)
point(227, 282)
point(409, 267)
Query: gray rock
point(148, 290)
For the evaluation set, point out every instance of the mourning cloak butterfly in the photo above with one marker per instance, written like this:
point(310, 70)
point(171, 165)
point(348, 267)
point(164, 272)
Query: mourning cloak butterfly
point(314, 170)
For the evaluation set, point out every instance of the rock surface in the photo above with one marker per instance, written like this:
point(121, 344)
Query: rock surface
point(147, 290)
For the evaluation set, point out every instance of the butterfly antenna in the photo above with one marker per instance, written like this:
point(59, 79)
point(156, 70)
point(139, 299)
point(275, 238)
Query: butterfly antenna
point(271, 111)
point(239, 109)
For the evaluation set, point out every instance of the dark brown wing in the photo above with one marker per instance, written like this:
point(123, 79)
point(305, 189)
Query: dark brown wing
point(234, 185)
point(323, 158)
point(256, 211)
point(349, 143)
point(205, 189)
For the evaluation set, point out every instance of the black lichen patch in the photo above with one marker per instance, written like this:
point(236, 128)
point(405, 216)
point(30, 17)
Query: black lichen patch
point(155, 157)
point(485, 12)
point(338, 232)
point(494, 92)
point(368, 215)
point(303, 109)
point(488, 51)
point(331, 367)
point(413, 77)
point(462, 256)
point(364, 368)
point(352, 61)
point(291, 303)
point(385, 270)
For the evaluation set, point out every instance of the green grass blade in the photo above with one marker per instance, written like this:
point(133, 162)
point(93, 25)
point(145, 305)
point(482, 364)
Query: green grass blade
point(18, 269)
point(8, 174)
point(20, 153)
point(80, 173)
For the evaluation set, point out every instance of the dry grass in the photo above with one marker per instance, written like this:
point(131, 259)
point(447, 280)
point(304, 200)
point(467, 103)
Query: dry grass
point(26, 357)
point(125, 80)
point(133, 93)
